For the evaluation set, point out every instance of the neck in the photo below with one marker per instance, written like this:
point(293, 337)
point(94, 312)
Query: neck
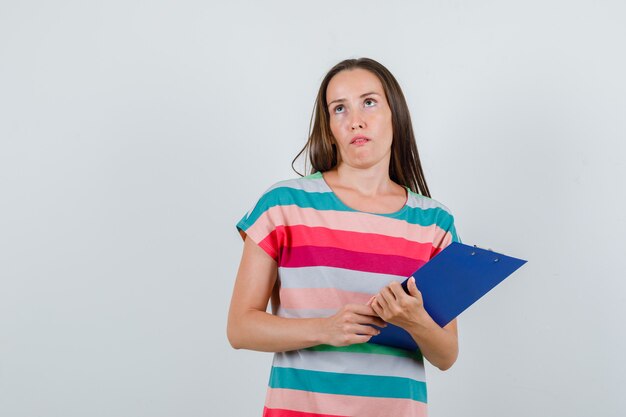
point(366, 181)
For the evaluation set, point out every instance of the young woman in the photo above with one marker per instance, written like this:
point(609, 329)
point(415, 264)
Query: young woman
point(330, 250)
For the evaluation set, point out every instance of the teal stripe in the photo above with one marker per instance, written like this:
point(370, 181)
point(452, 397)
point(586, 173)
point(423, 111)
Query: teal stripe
point(348, 384)
point(286, 196)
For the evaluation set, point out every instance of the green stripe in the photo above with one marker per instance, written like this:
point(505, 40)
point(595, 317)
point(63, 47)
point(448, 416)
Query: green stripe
point(348, 384)
point(286, 196)
point(370, 348)
point(314, 176)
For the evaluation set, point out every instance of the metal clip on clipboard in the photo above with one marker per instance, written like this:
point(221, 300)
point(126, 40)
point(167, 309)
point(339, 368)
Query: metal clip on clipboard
point(488, 249)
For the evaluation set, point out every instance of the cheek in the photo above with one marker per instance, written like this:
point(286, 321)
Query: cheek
point(335, 128)
point(388, 126)
point(385, 125)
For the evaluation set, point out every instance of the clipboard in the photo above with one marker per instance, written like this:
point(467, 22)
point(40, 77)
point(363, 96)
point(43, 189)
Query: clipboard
point(450, 282)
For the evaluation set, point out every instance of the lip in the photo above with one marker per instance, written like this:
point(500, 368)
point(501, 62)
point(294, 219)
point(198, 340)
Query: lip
point(354, 139)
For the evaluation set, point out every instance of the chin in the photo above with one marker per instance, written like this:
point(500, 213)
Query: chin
point(363, 164)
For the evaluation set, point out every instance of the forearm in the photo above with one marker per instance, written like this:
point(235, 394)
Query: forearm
point(438, 345)
point(259, 330)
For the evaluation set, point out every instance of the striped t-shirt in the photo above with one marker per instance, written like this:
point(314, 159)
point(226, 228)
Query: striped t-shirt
point(329, 255)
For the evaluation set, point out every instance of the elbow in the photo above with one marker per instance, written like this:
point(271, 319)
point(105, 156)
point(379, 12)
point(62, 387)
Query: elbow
point(446, 363)
point(234, 337)
point(234, 343)
point(240, 331)
point(445, 366)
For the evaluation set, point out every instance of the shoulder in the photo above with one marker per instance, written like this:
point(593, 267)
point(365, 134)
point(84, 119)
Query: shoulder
point(427, 211)
point(310, 183)
point(296, 191)
point(285, 191)
point(421, 202)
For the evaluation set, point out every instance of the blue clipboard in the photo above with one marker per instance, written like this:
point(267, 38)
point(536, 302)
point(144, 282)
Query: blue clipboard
point(451, 282)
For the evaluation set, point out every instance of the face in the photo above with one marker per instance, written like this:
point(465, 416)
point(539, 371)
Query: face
point(360, 118)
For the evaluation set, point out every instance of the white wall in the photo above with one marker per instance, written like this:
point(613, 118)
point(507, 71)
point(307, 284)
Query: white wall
point(135, 134)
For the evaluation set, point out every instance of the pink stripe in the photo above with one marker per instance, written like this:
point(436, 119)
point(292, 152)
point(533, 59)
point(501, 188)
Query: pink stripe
point(347, 221)
point(356, 261)
point(315, 298)
point(277, 412)
point(301, 235)
point(313, 402)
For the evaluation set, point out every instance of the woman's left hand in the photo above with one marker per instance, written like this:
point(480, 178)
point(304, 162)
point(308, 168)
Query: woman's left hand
point(438, 344)
point(395, 306)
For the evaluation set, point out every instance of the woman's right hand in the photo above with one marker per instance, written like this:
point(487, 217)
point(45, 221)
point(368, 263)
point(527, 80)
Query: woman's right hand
point(351, 324)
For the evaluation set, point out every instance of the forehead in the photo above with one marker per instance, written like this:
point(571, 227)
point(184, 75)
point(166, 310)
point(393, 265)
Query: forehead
point(353, 83)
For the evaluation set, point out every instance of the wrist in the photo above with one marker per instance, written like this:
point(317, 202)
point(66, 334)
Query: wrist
point(317, 334)
point(422, 322)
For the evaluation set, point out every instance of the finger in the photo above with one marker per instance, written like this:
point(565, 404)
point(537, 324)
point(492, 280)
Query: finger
point(397, 290)
point(387, 295)
point(369, 302)
point(412, 286)
point(382, 301)
point(377, 308)
point(362, 309)
point(379, 322)
point(360, 339)
point(382, 307)
point(375, 320)
point(366, 330)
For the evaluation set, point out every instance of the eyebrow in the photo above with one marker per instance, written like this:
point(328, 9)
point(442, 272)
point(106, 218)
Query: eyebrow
point(343, 99)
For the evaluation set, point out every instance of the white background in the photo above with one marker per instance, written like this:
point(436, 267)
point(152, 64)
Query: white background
point(135, 134)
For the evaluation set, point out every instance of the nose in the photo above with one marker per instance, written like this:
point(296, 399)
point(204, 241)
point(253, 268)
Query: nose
point(357, 122)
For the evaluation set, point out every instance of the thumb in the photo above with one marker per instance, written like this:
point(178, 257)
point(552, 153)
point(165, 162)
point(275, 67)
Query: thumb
point(413, 287)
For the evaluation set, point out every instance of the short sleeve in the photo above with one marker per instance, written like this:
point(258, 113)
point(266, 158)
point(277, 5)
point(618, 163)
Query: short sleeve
point(262, 222)
point(451, 231)
point(446, 231)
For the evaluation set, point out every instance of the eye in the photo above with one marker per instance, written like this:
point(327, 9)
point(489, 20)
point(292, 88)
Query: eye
point(369, 102)
point(339, 109)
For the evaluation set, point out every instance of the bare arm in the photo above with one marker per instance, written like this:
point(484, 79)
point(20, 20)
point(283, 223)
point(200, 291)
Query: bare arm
point(251, 327)
point(438, 344)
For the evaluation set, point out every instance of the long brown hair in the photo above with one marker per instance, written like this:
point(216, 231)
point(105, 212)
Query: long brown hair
point(404, 168)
